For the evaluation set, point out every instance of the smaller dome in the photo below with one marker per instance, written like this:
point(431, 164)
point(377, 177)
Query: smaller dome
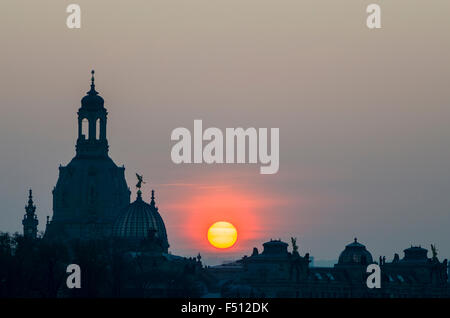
point(141, 221)
point(275, 247)
point(92, 101)
point(355, 254)
point(415, 254)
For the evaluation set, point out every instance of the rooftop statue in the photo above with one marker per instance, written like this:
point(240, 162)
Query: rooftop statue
point(294, 244)
point(434, 251)
point(140, 181)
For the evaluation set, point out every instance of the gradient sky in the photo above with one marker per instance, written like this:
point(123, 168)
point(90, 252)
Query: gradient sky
point(363, 114)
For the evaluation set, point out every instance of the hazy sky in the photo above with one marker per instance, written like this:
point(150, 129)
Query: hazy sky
point(363, 114)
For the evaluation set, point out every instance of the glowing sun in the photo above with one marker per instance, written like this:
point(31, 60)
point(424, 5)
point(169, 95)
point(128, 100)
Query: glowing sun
point(222, 234)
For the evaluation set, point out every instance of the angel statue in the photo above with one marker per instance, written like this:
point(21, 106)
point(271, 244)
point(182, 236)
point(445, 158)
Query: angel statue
point(140, 181)
point(434, 251)
point(294, 244)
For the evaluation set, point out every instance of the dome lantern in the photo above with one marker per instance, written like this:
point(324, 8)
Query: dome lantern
point(92, 100)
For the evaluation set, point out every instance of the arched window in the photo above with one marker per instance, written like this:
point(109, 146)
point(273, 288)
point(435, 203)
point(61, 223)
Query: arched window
point(84, 128)
point(97, 129)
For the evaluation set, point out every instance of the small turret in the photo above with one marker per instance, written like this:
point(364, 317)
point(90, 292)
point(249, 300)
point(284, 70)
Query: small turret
point(30, 221)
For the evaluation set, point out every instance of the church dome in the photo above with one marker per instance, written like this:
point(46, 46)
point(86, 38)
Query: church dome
point(415, 254)
point(355, 254)
point(275, 247)
point(92, 100)
point(141, 221)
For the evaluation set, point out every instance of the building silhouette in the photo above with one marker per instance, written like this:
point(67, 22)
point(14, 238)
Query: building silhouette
point(91, 202)
point(276, 272)
point(91, 190)
point(92, 211)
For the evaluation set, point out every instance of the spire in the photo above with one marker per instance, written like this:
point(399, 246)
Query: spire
point(30, 208)
point(152, 202)
point(92, 91)
point(30, 197)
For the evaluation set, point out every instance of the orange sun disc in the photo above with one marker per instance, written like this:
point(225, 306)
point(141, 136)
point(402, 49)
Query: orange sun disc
point(222, 234)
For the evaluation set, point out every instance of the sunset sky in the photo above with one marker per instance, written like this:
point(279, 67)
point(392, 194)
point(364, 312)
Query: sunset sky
point(363, 115)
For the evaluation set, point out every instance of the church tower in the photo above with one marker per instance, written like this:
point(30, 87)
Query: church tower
point(91, 190)
point(30, 221)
